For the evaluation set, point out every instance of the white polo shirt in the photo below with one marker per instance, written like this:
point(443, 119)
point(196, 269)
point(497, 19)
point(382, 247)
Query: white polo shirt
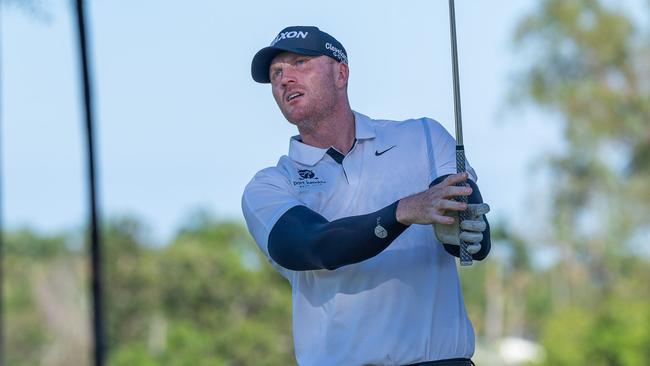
point(402, 306)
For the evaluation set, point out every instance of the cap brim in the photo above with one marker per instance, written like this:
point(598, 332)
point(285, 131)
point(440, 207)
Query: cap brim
point(262, 61)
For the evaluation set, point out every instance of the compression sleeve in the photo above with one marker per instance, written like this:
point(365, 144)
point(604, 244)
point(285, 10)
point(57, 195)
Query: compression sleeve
point(486, 244)
point(303, 240)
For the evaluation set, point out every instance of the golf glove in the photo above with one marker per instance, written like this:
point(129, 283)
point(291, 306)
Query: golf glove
point(470, 231)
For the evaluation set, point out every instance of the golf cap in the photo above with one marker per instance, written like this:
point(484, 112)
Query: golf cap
point(303, 40)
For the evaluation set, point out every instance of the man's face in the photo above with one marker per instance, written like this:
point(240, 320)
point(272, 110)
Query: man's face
point(303, 86)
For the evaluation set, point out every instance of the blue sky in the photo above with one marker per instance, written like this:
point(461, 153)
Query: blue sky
point(181, 125)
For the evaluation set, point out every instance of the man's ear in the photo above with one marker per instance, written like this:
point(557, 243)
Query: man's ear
point(342, 74)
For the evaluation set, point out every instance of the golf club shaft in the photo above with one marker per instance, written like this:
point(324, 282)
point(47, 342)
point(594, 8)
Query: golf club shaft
point(454, 64)
point(465, 257)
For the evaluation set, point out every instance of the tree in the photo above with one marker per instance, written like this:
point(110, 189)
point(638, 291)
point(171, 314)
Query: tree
point(207, 298)
point(590, 68)
point(44, 319)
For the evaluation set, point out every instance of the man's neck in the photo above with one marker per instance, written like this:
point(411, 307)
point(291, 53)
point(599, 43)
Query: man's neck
point(337, 130)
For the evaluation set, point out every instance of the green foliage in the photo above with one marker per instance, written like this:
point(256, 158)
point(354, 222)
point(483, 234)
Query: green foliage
point(614, 332)
point(25, 336)
point(27, 244)
point(620, 335)
point(28, 256)
point(132, 281)
point(242, 302)
point(590, 68)
point(206, 298)
point(565, 337)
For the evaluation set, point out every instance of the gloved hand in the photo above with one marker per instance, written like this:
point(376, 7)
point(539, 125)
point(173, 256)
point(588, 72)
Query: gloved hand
point(469, 231)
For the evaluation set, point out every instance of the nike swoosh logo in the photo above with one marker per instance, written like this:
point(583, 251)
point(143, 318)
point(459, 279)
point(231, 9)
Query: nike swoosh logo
point(377, 153)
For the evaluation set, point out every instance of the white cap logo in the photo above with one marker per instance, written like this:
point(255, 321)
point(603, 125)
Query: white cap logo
point(288, 35)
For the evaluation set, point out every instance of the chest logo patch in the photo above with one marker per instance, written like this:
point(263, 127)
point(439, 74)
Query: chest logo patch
point(377, 153)
point(307, 178)
point(306, 174)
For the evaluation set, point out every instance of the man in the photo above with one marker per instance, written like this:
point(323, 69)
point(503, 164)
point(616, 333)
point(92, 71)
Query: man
point(347, 218)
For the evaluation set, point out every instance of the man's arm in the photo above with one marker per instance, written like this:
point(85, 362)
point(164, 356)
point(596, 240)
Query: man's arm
point(303, 240)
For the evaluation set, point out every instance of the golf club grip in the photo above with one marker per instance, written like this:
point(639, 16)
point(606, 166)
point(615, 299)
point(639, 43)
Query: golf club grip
point(465, 257)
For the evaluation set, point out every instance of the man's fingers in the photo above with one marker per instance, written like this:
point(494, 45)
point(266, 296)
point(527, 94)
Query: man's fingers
point(454, 191)
point(477, 209)
point(452, 205)
point(441, 219)
point(473, 225)
point(454, 179)
point(473, 248)
point(471, 236)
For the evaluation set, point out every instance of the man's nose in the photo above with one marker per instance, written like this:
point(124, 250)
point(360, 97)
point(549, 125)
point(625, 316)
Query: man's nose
point(288, 76)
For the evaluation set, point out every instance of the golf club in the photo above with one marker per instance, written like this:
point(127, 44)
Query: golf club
point(465, 257)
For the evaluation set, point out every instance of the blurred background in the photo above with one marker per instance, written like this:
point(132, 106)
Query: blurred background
point(556, 111)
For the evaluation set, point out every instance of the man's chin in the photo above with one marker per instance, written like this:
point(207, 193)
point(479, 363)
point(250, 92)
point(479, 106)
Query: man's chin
point(294, 117)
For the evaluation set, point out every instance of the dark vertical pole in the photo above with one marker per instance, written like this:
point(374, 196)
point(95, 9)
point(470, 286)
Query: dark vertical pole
point(95, 247)
point(2, 278)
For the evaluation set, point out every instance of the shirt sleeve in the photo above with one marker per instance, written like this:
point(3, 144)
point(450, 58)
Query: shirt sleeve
point(266, 198)
point(303, 240)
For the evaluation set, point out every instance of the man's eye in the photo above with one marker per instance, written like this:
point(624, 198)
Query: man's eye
point(276, 73)
point(301, 62)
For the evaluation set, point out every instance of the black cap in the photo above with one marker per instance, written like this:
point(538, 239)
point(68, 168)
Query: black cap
point(303, 40)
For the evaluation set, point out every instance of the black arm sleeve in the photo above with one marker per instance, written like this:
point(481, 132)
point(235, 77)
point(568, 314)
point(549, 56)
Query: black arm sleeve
point(486, 244)
point(303, 240)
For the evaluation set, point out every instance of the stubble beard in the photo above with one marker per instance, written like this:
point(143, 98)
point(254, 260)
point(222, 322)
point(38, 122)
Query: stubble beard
point(318, 110)
point(310, 120)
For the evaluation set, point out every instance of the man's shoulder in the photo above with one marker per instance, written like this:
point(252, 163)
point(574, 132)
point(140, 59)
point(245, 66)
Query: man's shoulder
point(279, 172)
point(406, 126)
point(405, 123)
